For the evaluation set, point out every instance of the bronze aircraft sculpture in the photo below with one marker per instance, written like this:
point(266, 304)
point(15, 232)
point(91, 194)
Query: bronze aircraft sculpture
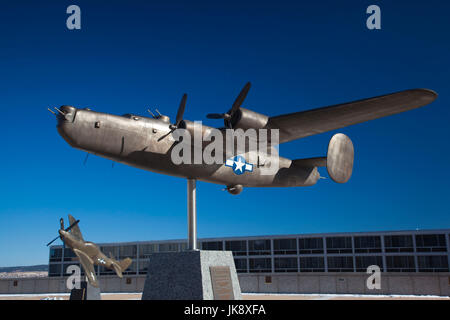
point(88, 252)
point(148, 142)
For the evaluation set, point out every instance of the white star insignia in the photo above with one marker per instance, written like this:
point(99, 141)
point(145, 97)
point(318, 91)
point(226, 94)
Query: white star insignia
point(239, 165)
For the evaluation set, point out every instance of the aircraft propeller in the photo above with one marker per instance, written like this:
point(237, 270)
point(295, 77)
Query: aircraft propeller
point(180, 113)
point(179, 117)
point(235, 107)
point(61, 221)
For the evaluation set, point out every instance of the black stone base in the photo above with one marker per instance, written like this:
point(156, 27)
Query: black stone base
point(86, 292)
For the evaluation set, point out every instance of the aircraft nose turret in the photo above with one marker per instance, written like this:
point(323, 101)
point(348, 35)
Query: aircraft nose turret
point(66, 123)
point(66, 114)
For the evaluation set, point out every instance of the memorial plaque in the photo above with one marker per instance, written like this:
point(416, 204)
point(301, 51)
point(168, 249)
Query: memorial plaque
point(221, 283)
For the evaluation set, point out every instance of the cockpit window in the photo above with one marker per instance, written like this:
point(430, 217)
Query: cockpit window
point(131, 116)
point(134, 117)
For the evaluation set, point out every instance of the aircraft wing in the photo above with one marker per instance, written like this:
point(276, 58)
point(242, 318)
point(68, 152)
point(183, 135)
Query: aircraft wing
point(88, 267)
point(307, 123)
point(75, 229)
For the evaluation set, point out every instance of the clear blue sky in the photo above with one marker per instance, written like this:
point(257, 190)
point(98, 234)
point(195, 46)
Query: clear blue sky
point(131, 55)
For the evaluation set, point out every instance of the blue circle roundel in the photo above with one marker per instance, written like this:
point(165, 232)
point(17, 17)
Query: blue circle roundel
point(239, 165)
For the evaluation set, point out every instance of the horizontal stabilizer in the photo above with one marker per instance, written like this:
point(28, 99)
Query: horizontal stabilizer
point(339, 159)
point(122, 265)
point(125, 263)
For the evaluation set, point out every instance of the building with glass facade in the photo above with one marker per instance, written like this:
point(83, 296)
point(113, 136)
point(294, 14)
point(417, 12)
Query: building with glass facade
point(393, 251)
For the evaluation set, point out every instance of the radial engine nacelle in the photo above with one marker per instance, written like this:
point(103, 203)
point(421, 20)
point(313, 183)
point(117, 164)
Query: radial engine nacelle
point(248, 119)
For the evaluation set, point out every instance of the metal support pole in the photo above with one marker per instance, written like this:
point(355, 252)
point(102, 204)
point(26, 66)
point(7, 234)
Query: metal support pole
point(192, 214)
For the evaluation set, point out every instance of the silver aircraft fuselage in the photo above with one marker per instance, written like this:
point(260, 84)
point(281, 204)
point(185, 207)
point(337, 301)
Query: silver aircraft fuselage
point(147, 143)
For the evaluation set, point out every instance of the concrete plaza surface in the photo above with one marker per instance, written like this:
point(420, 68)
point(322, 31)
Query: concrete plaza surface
point(137, 296)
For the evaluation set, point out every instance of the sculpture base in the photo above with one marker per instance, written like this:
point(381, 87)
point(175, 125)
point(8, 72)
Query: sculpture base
point(192, 275)
point(86, 292)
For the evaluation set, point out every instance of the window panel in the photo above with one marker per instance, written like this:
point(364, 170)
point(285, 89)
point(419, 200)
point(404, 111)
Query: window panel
point(143, 266)
point(54, 270)
point(241, 265)
point(340, 264)
point(259, 247)
point(312, 264)
point(56, 254)
point(127, 251)
point(168, 247)
point(69, 255)
point(433, 263)
point(367, 244)
point(147, 249)
point(184, 246)
point(286, 264)
point(310, 245)
point(239, 247)
point(400, 264)
point(402, 243)
point(212, 245)
point(260, 265)
point(285, 246)
point(339, 245)
point(431, 243)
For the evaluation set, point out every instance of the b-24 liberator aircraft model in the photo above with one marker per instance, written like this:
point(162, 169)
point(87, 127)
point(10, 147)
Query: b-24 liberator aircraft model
point(147, 142)
point(88, 252)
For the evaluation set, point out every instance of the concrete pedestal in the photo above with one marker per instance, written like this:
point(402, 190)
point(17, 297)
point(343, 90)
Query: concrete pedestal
point(191, 275)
